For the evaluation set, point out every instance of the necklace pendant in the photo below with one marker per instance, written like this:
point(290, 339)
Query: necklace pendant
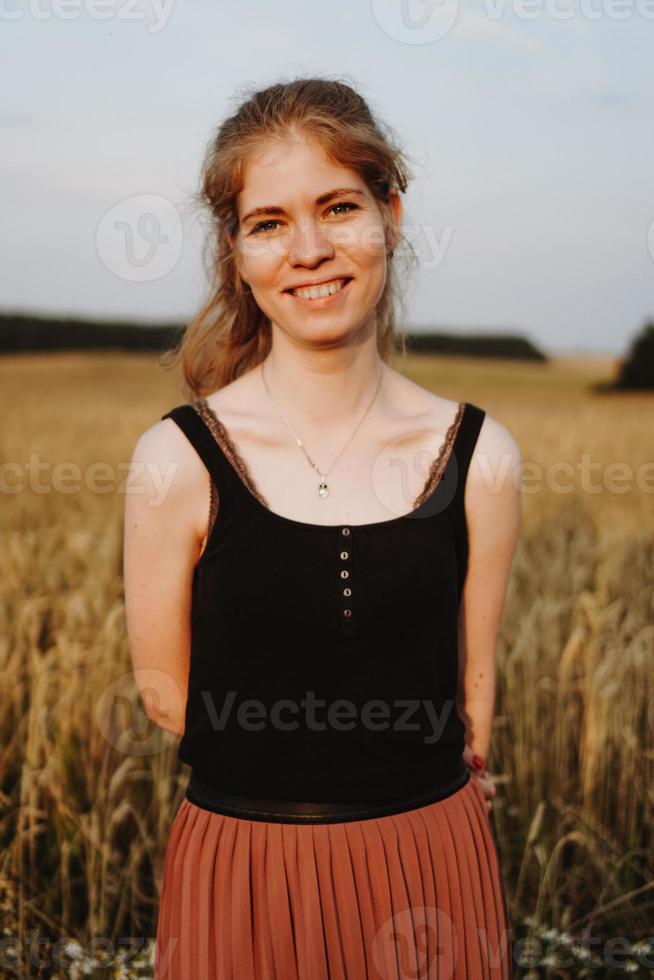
point(323, 489)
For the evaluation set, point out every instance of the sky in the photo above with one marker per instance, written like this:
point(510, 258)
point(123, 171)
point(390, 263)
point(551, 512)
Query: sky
point(528, 124)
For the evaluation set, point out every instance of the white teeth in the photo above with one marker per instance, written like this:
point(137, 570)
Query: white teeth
point(325, 289)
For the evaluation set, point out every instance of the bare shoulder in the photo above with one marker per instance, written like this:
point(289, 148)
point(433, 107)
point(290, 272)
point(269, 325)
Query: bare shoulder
point(493, 479)
point(164, 445)
point(496, 454)
point(493, 501)
point(166, 471)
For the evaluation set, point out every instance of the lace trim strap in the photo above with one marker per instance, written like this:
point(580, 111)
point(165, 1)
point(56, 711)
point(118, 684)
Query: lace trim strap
point(222, 437)
point(438, 465)
point(213, 507)
point(224, 440)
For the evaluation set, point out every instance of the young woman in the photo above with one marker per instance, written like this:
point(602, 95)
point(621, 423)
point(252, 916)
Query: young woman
point(310, 607)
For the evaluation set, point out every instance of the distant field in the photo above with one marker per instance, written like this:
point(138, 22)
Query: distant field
point(84, 823)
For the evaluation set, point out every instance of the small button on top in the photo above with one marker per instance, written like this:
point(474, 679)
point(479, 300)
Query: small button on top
point(345, 530)
point(344, 573)
point(345, 554)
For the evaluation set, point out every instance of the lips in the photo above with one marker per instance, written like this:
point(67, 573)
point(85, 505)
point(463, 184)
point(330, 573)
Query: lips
point(322, 302)
point(316, 285)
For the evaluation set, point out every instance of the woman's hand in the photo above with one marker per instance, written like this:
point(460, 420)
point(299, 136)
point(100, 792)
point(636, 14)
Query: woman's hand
point(481, 774)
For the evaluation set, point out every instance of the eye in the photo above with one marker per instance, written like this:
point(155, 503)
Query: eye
point(350, 205)
point(264, 226)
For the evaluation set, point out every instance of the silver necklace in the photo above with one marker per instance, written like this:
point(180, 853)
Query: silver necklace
point(323, 489)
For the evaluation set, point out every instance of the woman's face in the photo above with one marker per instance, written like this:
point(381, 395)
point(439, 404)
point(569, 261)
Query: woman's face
point(304, 219)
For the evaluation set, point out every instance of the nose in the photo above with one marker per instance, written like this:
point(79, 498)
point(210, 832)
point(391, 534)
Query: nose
point(309, 244)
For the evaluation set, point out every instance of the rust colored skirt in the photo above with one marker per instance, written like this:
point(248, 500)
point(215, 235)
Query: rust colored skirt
point(415, 895)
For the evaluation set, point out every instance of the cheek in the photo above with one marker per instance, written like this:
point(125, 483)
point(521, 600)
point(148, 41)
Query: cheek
point(365, 244)
point(258, 260)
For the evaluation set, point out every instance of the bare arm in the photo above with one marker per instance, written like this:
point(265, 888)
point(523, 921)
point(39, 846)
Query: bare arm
point(493, 514)
point(165, 508)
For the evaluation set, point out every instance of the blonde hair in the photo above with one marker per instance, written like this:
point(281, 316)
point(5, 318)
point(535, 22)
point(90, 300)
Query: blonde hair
point(230, 334)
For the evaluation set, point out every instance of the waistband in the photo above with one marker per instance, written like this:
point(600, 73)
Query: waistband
point(292, 811)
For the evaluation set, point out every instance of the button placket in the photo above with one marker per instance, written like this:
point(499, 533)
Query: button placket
point(345, 578)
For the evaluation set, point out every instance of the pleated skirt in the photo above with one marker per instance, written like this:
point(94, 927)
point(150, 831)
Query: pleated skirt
point(411, 896)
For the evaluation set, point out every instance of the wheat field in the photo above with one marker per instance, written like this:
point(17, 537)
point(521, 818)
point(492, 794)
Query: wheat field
point(86, 808)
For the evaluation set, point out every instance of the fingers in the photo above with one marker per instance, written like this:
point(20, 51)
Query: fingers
point(487, 787)
point(483, 778)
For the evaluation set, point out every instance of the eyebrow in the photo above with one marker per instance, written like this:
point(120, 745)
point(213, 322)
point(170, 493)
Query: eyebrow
point(323, 199)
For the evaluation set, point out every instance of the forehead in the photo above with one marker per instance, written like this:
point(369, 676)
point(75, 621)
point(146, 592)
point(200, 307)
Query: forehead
point(282, 169)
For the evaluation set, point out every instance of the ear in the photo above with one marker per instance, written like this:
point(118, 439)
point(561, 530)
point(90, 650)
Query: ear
point(395, 218)
point(231, 239)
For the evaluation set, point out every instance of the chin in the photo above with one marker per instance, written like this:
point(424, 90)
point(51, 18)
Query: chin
point(317, 330)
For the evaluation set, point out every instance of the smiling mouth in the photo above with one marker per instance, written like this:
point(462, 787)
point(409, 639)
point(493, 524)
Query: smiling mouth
point(320, 292)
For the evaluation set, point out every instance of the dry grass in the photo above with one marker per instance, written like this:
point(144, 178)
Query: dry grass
point(84, 822)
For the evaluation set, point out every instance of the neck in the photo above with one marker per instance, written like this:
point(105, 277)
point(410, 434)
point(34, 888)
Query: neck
point(322, 391)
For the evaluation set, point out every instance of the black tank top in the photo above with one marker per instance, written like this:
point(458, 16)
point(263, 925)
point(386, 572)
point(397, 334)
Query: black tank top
point(324, 657)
